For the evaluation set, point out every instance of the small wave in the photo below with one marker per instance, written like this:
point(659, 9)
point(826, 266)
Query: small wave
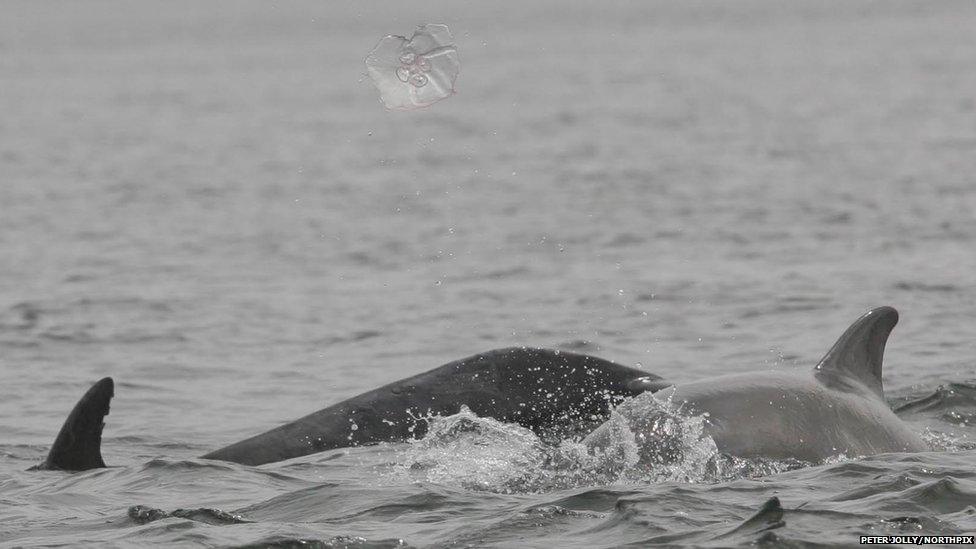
point(625, 239)
point(187, 465)
point(947, 442)
point(768, 517)
point(550, 511)
point(942, 495)
point(142, 514)
point(69, 334)
point(354, 337)
point(944, 396)
point(86, 334)
point(579, 346)
point(22, 316)
point(925, 287)
point(950, 403)
point(151, 442)
point(337, 542)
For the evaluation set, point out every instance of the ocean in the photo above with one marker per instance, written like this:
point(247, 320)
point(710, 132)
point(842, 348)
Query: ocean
point(207, 202)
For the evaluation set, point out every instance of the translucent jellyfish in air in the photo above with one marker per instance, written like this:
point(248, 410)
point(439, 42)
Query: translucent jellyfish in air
point(417, 72)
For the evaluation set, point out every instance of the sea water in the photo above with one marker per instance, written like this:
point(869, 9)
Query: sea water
point(206, 202)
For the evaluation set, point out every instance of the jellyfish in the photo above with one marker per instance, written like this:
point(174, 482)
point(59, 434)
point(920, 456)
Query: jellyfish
point(417, 72)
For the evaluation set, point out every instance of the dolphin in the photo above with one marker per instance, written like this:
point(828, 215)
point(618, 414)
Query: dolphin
point(553, 393)
point(838, 408)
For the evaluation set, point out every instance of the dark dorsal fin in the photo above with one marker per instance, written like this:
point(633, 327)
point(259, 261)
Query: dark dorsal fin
point(858, 353)
point(79, 444)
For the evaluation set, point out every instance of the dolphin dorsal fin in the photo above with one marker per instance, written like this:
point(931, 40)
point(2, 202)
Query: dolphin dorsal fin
point(859, 352)
point(79, 444)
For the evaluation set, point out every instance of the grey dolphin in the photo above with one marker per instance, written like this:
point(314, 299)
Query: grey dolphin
point(836, 408)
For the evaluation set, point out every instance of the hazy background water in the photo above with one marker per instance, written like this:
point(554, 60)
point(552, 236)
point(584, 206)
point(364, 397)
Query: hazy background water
point(207, 202)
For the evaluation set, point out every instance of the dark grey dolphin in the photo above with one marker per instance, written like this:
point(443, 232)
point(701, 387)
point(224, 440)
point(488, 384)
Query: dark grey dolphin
point(837, 408)
point(554, 393)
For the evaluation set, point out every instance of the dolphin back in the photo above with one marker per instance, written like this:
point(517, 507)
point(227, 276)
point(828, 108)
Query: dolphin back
point(858, 354)
point(551, 392)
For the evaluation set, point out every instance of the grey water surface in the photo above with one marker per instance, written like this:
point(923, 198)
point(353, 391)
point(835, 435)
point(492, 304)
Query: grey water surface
point(207, 202)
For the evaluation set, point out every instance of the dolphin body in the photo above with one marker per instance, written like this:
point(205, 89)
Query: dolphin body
point(554, 393)
point(838, 408)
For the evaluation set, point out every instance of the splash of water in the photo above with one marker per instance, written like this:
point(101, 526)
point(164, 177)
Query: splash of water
point(658, 440)
point(645, 440)
point(947, 441)
point(474, 452)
